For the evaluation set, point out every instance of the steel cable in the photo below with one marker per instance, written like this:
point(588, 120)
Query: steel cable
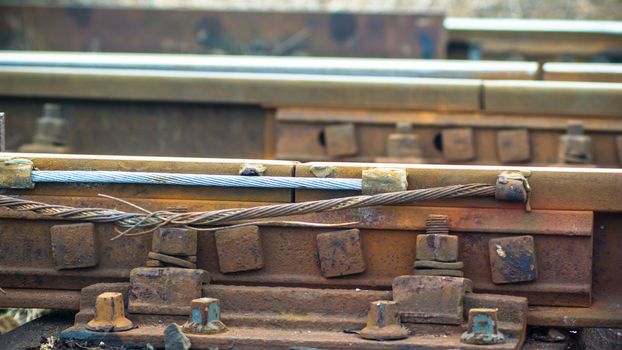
point(128, 177)
point(198, 220)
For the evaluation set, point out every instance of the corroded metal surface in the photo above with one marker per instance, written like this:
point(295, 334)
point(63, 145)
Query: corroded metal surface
point(218, 32)
point(574, 233)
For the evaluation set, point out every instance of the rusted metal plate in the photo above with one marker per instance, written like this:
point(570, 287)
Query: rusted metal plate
point(162, 128)
point(389, 249)
point(278, 316)
point(340, 253)
point(340, 140)
point(220, 31)
point(430, 299)
point(387, 234)
point(73, 246)
point(458, 144)
point(164, 291)
point(299, 129)
point(513, 145)
point(513, 259)
point(239, 249)
point(530, 119)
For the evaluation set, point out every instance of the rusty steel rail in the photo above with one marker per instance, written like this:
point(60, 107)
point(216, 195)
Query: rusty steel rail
point(572, 208)
point(307, 117)
point(267, 272)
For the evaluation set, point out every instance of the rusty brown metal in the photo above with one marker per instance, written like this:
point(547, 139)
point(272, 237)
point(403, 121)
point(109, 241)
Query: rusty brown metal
point(497, 138)
point(107, 113)
point(340, 253)
point(205, 317)
point(239, 249)
point(402, 146)
point(482, 328)
point(222, 31)
point(169, 260)
point(174, 241)
point(109, 314)
point(50, 133)
point(281, 317)
point(383, 322)
point(73, 246)
point(513, 146)
point(458, 144)
point(168, 290)
point(430, 299)
point(340, 140)
point(513, 259)
point(574, 233)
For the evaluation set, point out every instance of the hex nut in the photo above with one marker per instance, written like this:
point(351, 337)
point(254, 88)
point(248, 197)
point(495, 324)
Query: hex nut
point(73, 246)
point(340, 253)
point(458, 144)
point(513, 146)
point(340, 140)
point(437, 247)
point(239, 249)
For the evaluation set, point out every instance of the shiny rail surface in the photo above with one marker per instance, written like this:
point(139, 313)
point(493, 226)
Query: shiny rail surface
point(278, 65)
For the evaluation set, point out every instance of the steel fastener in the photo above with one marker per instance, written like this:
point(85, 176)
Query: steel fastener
point(239, 249)
point(383, 322)
point(109, 314)
point(205, 317)
point(482, 328)
point(340, 253)
point(513, 259)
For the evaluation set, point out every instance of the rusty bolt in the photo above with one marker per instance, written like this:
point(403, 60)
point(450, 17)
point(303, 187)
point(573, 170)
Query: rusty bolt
point(205, 317)
point(109, 314)
point(383, 322)
point(51, 127)
point(404, 128)
point(482, 328)
point(575, 147)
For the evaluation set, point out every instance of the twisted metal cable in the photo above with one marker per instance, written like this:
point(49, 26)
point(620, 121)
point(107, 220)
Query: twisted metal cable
point(147, 178)
point(199, 220)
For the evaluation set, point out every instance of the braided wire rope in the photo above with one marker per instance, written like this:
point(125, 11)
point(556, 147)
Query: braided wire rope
point(197, 220)
point(76, 176)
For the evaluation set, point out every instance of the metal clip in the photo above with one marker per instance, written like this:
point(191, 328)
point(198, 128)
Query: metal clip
point(16, 173)
point(513, 186)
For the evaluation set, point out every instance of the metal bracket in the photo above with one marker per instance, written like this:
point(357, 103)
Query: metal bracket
point(513, 186)
point(16, 173)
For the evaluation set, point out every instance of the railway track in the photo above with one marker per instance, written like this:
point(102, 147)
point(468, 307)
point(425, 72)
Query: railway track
point(572, 229)
point(295, 108)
